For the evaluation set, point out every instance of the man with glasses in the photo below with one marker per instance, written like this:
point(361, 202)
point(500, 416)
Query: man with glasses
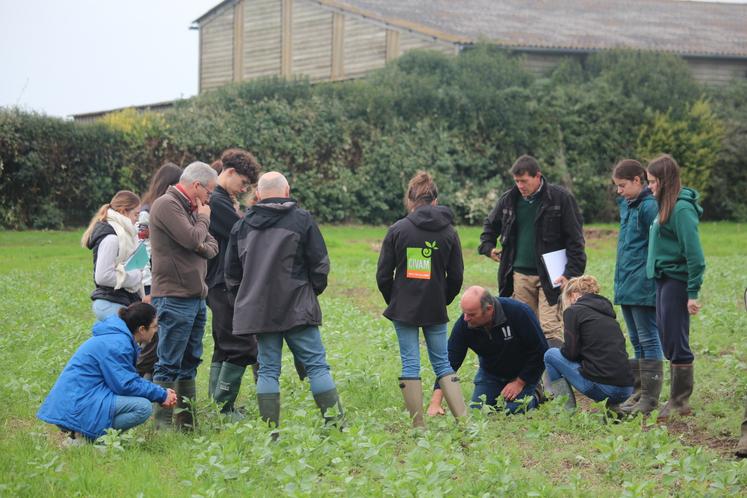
point(181, 244)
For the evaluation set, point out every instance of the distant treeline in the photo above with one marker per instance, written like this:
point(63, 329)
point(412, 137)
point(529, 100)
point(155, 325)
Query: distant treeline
point(349, 148)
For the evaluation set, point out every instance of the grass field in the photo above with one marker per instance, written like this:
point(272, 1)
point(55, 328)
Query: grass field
point(45, 281)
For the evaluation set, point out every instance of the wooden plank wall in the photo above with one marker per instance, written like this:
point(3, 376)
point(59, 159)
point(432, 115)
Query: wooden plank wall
point(717, 72)
point(262, 38)
point(216, 50)
point(365, 47)
point(311, 41)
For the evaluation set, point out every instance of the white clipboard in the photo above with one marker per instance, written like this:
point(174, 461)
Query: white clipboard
point(555, 263)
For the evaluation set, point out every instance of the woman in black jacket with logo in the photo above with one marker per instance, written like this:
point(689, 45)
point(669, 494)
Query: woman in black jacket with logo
point(419, 273)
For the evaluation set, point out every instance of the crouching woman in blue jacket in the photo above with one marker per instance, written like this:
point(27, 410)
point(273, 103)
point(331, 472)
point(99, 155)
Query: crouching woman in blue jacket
point(99, 387)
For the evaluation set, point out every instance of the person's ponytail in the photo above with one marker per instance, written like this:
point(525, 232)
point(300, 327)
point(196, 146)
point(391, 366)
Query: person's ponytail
point(137, 315)
point(99, 216)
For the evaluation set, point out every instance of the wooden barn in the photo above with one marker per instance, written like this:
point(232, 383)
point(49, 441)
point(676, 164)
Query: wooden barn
point(339, 39)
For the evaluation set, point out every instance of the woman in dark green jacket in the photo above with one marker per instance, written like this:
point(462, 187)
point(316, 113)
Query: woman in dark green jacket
point(634, 292)
point(675, 260)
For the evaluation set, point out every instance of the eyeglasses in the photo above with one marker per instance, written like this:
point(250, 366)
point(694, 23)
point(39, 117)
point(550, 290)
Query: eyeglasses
point(206, 189)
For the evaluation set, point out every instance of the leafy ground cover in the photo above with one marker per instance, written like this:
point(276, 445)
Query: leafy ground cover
point(45, 279)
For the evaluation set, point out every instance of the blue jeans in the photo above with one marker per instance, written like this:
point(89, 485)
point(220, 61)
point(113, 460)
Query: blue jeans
point(559, 366)
point(306, 344)
point(103, 309)
point(490, 386)
point(130, 411)
point(643, 332)
point(181, 325)
point(409, 349)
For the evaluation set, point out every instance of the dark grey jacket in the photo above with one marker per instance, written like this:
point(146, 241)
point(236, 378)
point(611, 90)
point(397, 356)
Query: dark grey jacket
point(558, 225)
point(276, 266)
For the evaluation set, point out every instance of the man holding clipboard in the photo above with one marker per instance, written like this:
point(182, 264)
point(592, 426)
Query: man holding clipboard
point(541, 231)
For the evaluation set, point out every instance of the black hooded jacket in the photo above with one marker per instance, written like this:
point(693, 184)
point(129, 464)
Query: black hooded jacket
point(420, 267)
point(594, 338)
point(119, 296)
point(276, 266)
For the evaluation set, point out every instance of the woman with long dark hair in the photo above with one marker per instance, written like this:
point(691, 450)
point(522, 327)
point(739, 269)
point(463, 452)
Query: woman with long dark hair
point(419, 273)
point(99, 387)
point(634, 292)
point(112, 238)
point(675, 260)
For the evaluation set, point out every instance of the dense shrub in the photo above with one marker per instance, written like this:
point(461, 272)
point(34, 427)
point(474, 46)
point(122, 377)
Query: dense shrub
point(349, 148)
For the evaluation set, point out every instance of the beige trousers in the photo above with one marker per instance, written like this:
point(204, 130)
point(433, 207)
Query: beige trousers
point(528, 290)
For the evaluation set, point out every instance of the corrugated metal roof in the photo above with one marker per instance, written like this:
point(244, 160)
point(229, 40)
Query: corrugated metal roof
point(682, 27)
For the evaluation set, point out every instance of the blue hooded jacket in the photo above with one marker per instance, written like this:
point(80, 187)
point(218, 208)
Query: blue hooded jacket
point(632, 286)
point(103, 367)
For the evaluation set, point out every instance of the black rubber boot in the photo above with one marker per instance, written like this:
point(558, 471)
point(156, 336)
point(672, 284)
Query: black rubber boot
point(213, 379)
point(627, 405)
point(269, 408)
point(741, 450)
point(680, 391)
point(561, 387)
point(163, 418)
point(449, 384)
point(185, 404)
point(227, 388)
point(330, 406)
point(652, 377)
point(412, 392)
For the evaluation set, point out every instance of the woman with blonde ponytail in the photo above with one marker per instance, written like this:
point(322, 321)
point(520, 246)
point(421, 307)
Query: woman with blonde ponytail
point(112, 237)
point(593, 358)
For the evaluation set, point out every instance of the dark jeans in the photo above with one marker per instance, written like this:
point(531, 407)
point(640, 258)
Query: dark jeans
point(237, 349)
point(490, 386)
point(673, 320)
point(146, 360)
point(559, 366)
point(181, 325)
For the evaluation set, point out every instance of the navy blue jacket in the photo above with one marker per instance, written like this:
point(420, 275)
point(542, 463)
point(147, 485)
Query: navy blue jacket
point(513, 345)
point(632, 287)
point(102, 368)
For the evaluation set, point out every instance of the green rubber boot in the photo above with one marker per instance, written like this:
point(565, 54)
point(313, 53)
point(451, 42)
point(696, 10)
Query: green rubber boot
point(449, 384)
point(741, 450)
point(269, 408)
point(163, 418)
point(331, 408)
point(213, 379)
point(628, 404)
point(229, 383)
point(561, 387)
point(185, 404)
point(412, 392)
point(680, 390)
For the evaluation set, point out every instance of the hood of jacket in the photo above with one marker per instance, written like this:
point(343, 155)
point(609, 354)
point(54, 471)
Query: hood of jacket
point(267, 212)
point(431, 218)
point(100, 230)
point(692, 196)
point(598, 303)
point(113, 325)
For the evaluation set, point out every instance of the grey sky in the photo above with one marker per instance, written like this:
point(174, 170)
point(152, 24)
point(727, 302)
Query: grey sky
point(65, 57)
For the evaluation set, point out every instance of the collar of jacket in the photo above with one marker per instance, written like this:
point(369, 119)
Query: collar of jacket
point(644, 193)
point(183, 200)
point(542, 193)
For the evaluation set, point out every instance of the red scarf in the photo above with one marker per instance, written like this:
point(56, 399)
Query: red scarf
point(192, 204)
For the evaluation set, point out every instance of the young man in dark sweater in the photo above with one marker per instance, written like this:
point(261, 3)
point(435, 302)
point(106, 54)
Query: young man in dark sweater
point(232, 353)
point(533, 218)
point(509, 343)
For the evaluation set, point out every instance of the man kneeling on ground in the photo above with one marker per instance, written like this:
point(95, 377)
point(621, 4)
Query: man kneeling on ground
point(509, 343)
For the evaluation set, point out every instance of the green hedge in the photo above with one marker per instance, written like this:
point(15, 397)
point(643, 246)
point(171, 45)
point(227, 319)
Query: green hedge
point(349, 148)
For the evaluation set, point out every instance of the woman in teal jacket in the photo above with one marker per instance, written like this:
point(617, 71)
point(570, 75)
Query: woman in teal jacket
point(634, 291)
point(675, 260)
point(99, 387)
